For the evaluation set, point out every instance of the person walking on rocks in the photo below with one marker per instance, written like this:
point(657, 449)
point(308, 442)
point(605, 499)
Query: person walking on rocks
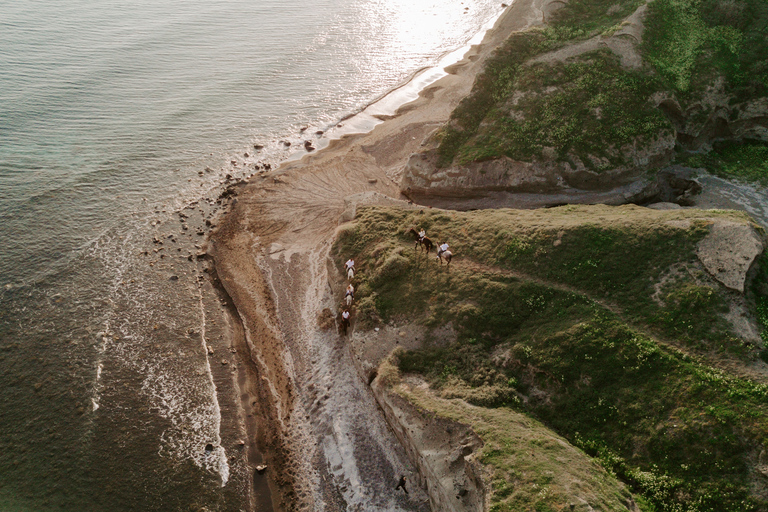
point(401, 484)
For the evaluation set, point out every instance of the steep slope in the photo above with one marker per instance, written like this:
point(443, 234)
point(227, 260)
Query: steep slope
point(613, 326)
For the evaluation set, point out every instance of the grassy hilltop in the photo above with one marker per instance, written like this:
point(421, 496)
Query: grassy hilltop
point(601, 323)
point(698, 74)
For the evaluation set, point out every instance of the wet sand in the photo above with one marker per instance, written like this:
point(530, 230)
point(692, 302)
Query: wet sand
point(326, 443)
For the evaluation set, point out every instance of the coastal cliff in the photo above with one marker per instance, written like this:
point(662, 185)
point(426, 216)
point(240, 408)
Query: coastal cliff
point(591, 104)
point(590, 319)
point(635, 334)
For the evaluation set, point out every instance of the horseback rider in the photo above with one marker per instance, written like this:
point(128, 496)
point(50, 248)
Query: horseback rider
point(422, 234)
point(345, 320)
point(350, 264)
point(443, 247)
point(350, 290)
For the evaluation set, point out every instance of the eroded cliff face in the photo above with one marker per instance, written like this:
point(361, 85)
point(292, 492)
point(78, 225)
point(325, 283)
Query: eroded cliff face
point(504, 182)
point(507, 182)
point(716, 116)
point(444, 451)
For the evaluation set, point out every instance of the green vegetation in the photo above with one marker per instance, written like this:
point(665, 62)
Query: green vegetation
point(559, 314)
point(526, 459)
point(747, 160)
point(591, 95)
point(690, 42)
point(591, 110)
point(760, 292)
point(592, 104)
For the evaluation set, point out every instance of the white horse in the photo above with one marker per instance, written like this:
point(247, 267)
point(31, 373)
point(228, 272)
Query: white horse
point(447, 255)
point(351, 273)
point(348, 298)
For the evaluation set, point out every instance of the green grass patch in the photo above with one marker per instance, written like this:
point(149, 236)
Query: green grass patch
point(747, 161)
point(556, 312)
point(690, 42)
point(504, 72)
point(760, 293)
point(592, 109)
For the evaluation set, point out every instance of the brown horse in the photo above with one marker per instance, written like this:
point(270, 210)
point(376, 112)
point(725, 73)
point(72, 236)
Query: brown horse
point(345, 322)
point(423, 242)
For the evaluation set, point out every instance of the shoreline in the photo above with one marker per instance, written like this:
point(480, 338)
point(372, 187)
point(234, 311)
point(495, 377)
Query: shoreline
point(270, 251)
point(385, 106)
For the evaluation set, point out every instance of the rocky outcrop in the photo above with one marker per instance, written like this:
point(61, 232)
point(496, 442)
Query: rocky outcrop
point(729, 251)
point(443, 450)
point(505, 182)
point(715, 117)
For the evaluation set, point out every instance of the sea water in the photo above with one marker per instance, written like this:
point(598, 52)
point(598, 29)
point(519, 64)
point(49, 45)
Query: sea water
point(115, 117)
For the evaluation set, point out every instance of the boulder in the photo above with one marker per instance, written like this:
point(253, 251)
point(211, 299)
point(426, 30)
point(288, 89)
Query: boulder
point(728, 252)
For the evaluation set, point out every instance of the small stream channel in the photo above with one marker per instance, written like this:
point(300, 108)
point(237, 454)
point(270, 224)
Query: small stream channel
point(726, 194)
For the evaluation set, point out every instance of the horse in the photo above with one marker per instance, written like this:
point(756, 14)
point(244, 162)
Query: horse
point(349, 295)
point(424, 242)
point(345, 324)
point(351, 273)
point(448, 255)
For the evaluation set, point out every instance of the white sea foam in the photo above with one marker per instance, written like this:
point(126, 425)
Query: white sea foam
point(133, 101)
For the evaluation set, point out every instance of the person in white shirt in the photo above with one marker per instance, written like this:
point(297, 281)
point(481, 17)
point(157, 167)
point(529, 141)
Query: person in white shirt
point(350, 264)
point(442, 248)
point(345, 320)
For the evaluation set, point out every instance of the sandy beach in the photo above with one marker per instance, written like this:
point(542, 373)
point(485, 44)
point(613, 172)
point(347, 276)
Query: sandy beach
point(327, 446)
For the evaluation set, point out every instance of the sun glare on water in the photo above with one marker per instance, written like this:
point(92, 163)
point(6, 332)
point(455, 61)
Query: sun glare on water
point(416, 27)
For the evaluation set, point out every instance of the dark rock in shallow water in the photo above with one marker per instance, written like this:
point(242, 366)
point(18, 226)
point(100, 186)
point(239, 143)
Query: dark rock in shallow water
point(258, 147)
point(308, 145)
point(208, 448)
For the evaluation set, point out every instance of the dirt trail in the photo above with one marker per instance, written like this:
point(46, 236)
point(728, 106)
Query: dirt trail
point(329, 447)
